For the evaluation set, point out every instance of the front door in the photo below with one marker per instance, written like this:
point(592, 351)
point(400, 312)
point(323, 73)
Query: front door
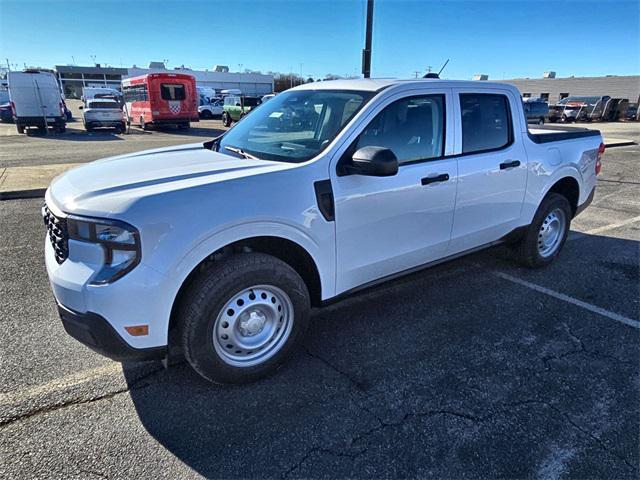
point(385, 225)
point(492, 168)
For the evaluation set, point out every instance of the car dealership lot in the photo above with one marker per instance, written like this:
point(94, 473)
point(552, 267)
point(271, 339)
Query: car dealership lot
point(473, 368)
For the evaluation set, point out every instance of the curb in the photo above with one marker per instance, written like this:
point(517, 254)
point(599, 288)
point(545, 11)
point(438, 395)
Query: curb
point(39, 192)
point(23, 194)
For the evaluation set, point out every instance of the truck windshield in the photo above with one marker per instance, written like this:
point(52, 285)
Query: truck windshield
point(294, 126)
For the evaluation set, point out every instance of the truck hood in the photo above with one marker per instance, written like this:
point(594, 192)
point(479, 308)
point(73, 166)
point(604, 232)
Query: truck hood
point(108, 186)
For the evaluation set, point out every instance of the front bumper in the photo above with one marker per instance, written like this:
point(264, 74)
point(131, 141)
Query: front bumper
point(96, 333)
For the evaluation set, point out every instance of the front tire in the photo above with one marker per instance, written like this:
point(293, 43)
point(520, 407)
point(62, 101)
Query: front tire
point(242, 318)
point(547, 234)
point(226, 119)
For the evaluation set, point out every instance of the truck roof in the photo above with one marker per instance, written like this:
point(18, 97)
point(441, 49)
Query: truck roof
point(376, 84)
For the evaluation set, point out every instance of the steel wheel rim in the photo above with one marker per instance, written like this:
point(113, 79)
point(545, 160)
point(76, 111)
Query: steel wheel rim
point(551, 232)
point(253, 325)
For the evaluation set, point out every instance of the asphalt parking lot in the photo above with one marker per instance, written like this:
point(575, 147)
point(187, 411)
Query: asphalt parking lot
point(476, 368)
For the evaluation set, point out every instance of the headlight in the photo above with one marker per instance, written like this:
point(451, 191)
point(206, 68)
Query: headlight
point(120, 241)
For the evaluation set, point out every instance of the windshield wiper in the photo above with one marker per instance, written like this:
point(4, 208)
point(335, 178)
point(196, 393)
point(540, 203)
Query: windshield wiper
point(239, 151)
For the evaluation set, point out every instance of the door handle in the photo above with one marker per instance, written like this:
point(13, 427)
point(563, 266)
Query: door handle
point(439, 178)
point(511, 164)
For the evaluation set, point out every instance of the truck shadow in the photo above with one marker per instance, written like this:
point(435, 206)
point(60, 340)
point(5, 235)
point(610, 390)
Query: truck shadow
point(79, 136)
point(413, 376)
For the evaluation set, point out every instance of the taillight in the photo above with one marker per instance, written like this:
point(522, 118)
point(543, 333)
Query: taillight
point(61, 109)
point(599, 158)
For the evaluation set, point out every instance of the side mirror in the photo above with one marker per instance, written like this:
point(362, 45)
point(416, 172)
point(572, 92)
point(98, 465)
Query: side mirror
point(373, 162)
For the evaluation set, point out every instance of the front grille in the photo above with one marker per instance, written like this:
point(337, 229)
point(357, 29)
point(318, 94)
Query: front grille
point(58, 235)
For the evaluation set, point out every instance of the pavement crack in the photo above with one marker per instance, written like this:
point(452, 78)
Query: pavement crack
point(352, 380)
point(135, 385)
point(595, 438)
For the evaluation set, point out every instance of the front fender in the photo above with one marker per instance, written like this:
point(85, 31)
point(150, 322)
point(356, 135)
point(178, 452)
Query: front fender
point(322, 257)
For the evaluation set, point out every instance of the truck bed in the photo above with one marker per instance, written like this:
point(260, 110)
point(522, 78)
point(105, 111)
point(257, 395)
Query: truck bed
point(557, 133)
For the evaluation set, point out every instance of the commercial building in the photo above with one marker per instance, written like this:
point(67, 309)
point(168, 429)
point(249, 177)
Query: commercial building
point(74, 78)
point(248, 83)
point(554, 89)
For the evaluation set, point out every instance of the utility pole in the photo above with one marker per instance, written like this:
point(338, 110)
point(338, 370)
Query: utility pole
point(366, 53)
point(8, 65)
point(416, 73)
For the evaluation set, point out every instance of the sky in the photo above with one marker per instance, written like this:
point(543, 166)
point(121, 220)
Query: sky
point(504, 39)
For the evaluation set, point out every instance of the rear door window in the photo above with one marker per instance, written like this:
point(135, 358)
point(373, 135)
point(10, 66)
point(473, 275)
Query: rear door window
point(486, 122)
point(172, 91)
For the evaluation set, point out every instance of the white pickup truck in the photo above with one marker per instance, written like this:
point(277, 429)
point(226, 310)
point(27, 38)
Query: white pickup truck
point(218, 250)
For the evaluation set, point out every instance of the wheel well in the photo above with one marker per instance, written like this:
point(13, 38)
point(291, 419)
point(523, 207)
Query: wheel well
point(289, 252)
point(569, 188)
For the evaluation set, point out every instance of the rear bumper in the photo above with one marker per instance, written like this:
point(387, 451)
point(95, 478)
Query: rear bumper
point(39, 121)
point(96, 333)
point(173, 121)
point(104, 123)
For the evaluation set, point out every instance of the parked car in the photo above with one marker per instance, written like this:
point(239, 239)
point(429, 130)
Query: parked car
point(237, 106)
point(218, 249)
point(536, 111)
point(68, 116)
point(36, 100)
point(103, 113)
point(555, 113)
point(6, 113)
point(211, 109)
point(632, 112)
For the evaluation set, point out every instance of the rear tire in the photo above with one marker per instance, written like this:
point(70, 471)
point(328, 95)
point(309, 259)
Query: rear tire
point(547, 234)
point(20, 128)
point(243, 317)
point(144, 126)
point(206, 115)
point(62, 128)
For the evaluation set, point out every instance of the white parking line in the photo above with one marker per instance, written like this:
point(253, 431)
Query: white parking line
point(612, 226)
point(577, 235)
point(574, 301)
point(59, 384)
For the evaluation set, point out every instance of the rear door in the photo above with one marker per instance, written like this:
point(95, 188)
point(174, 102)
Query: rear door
point(35, 94)
point(49, 94)
point(492, 167)
point(173, 94)
point(385, 225)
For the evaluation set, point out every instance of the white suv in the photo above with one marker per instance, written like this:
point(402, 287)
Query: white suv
point(103, 112)
point(219, 249)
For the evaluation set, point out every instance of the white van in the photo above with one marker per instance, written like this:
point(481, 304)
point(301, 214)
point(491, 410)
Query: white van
point(36, 100)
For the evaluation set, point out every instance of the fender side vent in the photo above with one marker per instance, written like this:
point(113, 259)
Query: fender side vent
point(324, 197)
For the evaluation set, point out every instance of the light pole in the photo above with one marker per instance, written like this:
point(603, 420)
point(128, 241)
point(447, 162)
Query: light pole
point(366, 53)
